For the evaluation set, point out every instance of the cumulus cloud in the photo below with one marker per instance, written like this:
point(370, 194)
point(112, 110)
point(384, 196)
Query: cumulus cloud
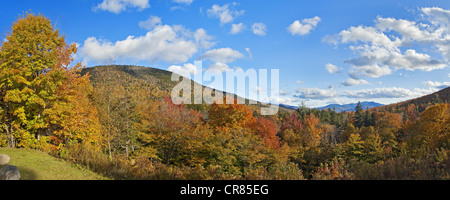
point(172, 44)
point(315, 93)
point(186, 69)
point(202, 38)
point(259, 29)
point(438, 17)
point(354, 82)
point(373, 71)
point(332, 69)
point(392, 92)
point(117, 6)
point(150, 23)
point(304, 27)
point(393, 44)
point(220, 58)
point(225, 13)
point(437, 85)
point(237, 28)
point(223, 55)
point(219, 67)
point(279, 100)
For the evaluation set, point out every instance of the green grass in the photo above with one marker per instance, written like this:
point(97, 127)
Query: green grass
point(36, 165)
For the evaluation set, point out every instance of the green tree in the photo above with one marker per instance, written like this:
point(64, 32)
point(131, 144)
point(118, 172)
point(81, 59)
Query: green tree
point(359, 115)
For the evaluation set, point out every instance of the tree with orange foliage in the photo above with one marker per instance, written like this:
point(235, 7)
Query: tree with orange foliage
point(411, 113)
point(336, 170)
point(172, 133)
point(267, 130)
point(231, 115)
point(292, 122)
point(312, 133)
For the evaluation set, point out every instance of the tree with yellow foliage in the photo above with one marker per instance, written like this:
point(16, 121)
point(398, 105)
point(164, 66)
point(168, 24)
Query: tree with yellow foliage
point(43, 97)
point(432, 129)
point(231, 115)
point(312, 134)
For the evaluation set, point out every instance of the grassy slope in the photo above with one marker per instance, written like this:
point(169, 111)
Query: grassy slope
point(36, 165)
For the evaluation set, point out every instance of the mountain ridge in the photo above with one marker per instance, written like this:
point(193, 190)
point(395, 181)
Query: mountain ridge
point(350, 106)
point(153, 78)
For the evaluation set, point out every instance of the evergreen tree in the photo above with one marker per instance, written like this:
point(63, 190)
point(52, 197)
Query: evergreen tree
point(359, 115)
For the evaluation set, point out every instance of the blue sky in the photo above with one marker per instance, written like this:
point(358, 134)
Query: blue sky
point(327, 51)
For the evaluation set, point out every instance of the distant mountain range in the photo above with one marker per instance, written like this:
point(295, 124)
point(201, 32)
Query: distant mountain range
point(351, 106)
point(343, 107)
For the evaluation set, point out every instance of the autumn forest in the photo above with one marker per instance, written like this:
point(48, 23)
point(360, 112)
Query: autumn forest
point(119, 121)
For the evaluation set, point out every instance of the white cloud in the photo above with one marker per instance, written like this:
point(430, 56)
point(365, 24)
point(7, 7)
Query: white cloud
point(393, 44)
point(354, 82)
point(393, 92)
point(187, 2)
point(437, 85)
point(224, 13)
point(409, 30)
point(117, 6)
point(237, 28)
point(284, 93)
point(223, 55)
point(367, 35)
point(163, 43)
point(186, 69)
point(278, 100)
point(304, 27)
point(438, 17)
point(259, 29)
point(202, 39)
point(372, 70)
point(219, 67)
point(315, 93)
point(332, 69)
point(150, 23)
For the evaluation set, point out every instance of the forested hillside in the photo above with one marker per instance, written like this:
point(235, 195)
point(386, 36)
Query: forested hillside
point(441, 96)
point(121, 122)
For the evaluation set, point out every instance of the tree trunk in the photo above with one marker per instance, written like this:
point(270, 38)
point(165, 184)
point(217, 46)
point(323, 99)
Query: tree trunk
point(9, 135)
point(126, 148)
